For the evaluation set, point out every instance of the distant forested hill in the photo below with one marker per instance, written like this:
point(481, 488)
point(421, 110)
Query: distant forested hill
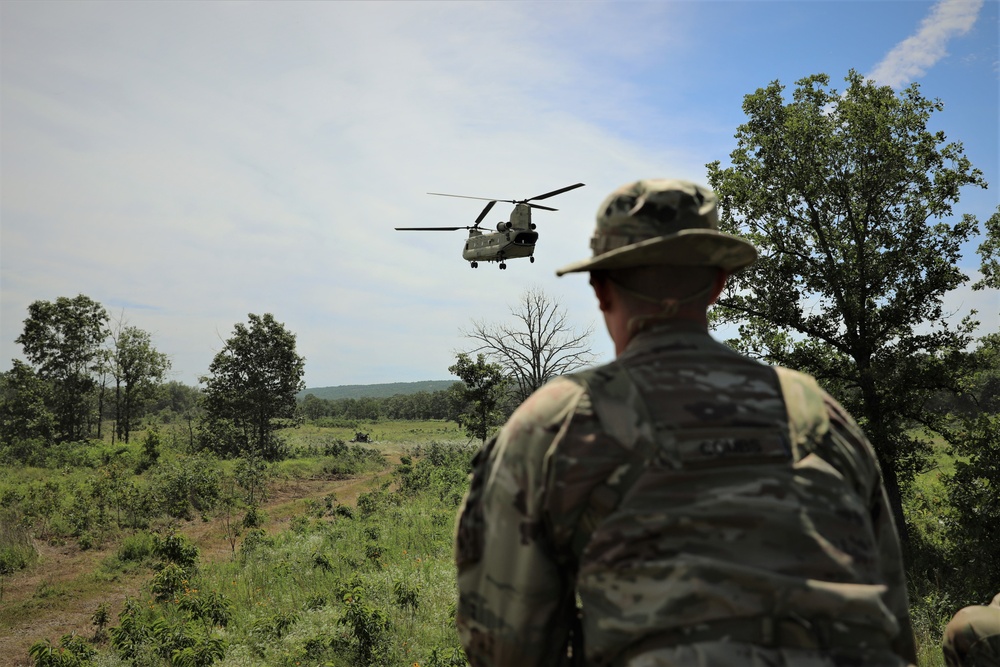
point(375, 390)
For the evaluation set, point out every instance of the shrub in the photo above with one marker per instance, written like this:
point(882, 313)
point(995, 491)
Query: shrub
point(168, 583)
point(369, 625)
point(71, 652)
point(137, 548)
point(178, 549)
point(16, 549)
point(190, 482)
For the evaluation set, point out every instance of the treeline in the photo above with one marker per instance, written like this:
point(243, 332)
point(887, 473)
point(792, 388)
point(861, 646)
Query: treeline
point(420, 405)
point(89, 377)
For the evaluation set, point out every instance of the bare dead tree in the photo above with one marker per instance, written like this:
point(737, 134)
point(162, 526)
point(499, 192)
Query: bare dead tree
point(536, 345)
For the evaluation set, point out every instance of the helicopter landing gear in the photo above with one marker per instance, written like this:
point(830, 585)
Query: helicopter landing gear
point(532, 259)
point(475, 264)
point(502, 266)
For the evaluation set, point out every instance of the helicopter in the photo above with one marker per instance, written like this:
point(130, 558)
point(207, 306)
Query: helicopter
point(513, 238)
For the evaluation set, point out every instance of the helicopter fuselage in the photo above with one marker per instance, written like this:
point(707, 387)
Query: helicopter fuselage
point(514, 238)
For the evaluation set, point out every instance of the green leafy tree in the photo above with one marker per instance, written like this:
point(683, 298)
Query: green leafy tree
point(481, 392)
point(62, 340)
point(137, 368)
point(974, 486)
point(848, 197)
point(252, 386)
point(989, 252)
point(26, 422)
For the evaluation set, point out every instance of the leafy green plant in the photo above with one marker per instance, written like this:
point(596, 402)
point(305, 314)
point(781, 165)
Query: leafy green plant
point(16, 549)
point(168, 583)
point(72, 651)
point(132, 635)
point(137, 548)
point(368, 624)
point(214, 609)
point(177, 548)
point(405, 595)
point(100, 619)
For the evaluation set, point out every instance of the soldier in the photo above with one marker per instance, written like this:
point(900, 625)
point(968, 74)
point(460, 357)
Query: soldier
point(682, 505)
point(972, 638)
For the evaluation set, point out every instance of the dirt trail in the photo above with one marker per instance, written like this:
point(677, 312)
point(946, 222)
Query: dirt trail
point(64, 569)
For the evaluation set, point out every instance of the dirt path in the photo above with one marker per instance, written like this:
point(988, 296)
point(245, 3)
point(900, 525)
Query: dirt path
point(67, 597)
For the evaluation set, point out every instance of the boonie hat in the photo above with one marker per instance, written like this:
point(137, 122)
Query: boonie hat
point(662, 221)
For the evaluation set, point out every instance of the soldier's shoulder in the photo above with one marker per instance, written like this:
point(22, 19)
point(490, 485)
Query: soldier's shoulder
point(549, 403)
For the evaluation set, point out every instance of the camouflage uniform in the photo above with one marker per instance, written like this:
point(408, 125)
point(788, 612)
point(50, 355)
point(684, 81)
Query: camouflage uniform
point(682, 505)
point(972, 638)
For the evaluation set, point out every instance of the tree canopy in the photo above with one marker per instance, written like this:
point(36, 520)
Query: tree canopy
point(62, 340)
point(251, 384)
point(849, 199)
point(481, 391)
point(137, 368)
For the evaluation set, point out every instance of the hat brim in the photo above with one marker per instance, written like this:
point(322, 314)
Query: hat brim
point(688, 247)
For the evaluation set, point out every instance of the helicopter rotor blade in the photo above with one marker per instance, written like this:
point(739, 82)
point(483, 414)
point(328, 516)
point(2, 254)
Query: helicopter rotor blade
point(441, 194)
point(429, 229)
point(556, 192)
point(544, 208)
point(485, 211)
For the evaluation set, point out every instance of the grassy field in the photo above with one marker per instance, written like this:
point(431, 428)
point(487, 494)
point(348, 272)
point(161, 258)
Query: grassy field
point(346, 568)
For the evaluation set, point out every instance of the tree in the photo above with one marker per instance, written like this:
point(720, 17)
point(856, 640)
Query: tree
point(252, 384)
point(536, 346)
point(137, 368)
point(848, 197)
point(989, 253)
point(25, 418)
point(974, 485)
point(62, 340)
point(480, 394)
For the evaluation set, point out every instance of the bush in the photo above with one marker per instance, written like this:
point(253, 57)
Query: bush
point(177, 549)
point(190, 482)
point(16, 548)
point(168, 583)
point(137, 548)
point(71, 652)
point(368, 624)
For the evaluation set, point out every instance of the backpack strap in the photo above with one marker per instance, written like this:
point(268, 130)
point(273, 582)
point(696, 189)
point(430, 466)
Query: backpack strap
point(635, 434)
point(808, 420)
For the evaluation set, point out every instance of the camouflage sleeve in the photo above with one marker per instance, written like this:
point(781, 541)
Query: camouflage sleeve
point(843, 427)
point(514, 599)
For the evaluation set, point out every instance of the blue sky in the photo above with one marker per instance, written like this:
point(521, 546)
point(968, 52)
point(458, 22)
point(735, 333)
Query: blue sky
point(186, 164)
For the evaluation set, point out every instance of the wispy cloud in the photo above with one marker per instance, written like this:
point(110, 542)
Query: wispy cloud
point(913, 56)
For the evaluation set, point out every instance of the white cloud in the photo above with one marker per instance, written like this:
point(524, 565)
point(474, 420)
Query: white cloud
point(196, 162)
point(912, 57)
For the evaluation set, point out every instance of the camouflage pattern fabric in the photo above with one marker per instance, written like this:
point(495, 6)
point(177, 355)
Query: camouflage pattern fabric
point(670, 493)
point(972, 638)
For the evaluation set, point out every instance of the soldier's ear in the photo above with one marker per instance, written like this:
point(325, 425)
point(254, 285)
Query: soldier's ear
point(718, 285)
point(602, 289)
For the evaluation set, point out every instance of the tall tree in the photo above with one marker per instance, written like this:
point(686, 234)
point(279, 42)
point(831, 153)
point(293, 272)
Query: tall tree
point(848, 198)
point(25, 418)
point(62, 339)
point(137, 368)
point(482, 389)
point(252, 384)
point(535, 345)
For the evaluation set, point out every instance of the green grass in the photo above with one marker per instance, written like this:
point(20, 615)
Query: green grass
point(383, 433)
point(345, 585)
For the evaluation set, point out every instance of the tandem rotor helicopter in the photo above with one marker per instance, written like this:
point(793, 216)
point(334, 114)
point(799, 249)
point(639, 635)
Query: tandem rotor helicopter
point(513, 238)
